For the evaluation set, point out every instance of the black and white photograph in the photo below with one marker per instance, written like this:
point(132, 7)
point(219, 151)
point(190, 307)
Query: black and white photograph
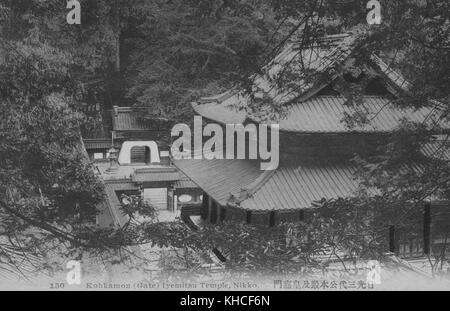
point(247, 147)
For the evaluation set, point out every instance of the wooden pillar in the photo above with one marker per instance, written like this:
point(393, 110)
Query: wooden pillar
point(301, 215)
point(175, 203)
point(170, 199)
point(272, 218)
point(427, 228)
point(215, 213)
point(248, 216)
point(210, 203)
point(223, 213)
point(213, 216)
point(205, 202)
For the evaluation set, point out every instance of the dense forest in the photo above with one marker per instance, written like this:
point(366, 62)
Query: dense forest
point(163, 54)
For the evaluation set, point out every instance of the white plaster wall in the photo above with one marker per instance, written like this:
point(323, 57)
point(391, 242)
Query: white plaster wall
point(125, 151)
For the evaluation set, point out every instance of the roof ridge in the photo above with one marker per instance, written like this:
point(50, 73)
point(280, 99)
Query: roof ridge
point(342, 48)
point(216, 98)
point(386, 69)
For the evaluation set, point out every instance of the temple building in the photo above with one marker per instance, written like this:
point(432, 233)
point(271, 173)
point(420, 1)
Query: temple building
point(316, 143)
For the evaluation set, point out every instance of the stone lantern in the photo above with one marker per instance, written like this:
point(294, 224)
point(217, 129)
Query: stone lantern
point(113, 163)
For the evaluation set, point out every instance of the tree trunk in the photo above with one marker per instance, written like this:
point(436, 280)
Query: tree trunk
point(117, 35)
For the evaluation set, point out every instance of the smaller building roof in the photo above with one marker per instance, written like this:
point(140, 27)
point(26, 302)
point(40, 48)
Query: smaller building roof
point(122, 185)
point(136, 119)
point(98, 143)
point(156, 174)
point(128, 119)
point(185, 183)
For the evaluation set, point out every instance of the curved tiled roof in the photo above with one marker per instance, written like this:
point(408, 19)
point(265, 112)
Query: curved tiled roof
point(326, 114)
point(305, 112)
point(294, 185)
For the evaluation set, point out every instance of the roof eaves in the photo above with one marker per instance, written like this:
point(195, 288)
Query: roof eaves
point(249, 190)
